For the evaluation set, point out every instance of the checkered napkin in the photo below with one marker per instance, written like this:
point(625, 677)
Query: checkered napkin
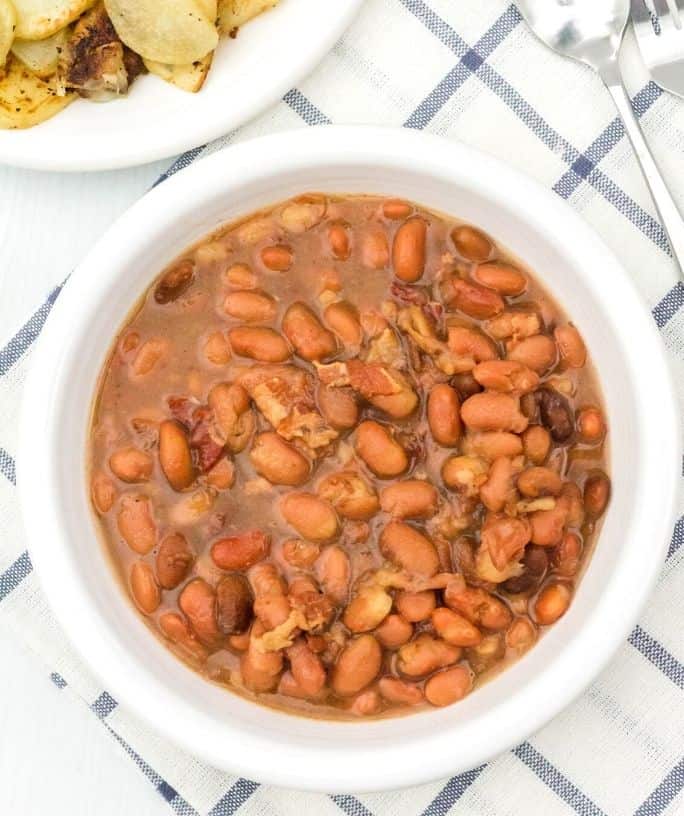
point(469, 70)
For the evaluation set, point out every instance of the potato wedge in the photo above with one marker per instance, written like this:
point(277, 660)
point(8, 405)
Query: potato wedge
point(186, 77)
point(25, 99)
point(234, 13)
point(38, 19)
point(177, 32)
point(41, 56)
point(8, 22)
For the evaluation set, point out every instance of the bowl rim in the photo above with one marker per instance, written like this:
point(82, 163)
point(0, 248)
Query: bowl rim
point(49, 547)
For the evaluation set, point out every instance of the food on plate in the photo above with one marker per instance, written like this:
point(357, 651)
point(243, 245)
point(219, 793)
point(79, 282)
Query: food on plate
point(95, 50)
point(349, 457)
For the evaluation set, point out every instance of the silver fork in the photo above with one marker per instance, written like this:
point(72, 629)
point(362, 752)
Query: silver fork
point(592, 31)
point(659, 29)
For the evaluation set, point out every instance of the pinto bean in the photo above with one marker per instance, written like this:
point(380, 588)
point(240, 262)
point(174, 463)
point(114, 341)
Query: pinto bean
point(177, 630)
point(443, 415)
point(131, 465)
point(410, 550)
point(521, 635)
point(396, 209)
point(380, 451)
point(250, 306)
point(343, 319)
point(488, 652)
point(357, 666)
point(471, 243)
point(425, 655)
point(366, 703)
point(590, 425)
point(350, 495)
point(312, 517)
point(535, 563)
point(299, 553)
point(408, 250)
point(149, 355)
point(412, 498)
point(493, 411)
point(303, 213)
point(536, 444)
point(306, 668)
point(144, 587)
point(240, 276)
point(515, 323)
point(308, 337)
point(478, 606)
point(448, 686)
point(503, 278)
point(233, 604)
point(596, 494)
point(567, 555)
point(548, 525)
point(499, 489)
point(338, 407)
point(506, 376)
point(216, 349)
point(399, 692)
point(367, 609)
point(571, 347)
point(175, 456)
point(136, 523)
point(333, 571)
point(277, 258)
point(279, 462)
point(103, 492)
point(339, 241)
point(454, 628)
point(556, 414)
point(239, 552)
point(490, 445)
point(197, 601)
point(271, 604)
point(552, 603)
point(230, 404)
point(538, 353)
point(259, 343)
point(375, 250)
point(260, 670)
point(466, 474)
point(466, 342)
point(415, 606)
point(471, 298)
point(394, 631)
point(174, 559)
point(539, 481)
point(174, 281)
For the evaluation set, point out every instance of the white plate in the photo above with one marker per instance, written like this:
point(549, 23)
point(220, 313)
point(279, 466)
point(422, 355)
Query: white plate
point(270, 55)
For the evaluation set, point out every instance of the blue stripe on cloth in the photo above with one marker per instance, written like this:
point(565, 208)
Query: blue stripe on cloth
point(104, 705)
point(662, 796)
point(234, 798)
point(533, 120)
point(306, 109)
point(452, 792)
point(58, 680)
point(469, 62)
point(658, 655)
point(350, 805)
point(7, 467)
point(15, 574)
point(644, 100)
point(677, 537)
point(184, 160)
point(555, 780)
point(669, 305)
point(21, 341)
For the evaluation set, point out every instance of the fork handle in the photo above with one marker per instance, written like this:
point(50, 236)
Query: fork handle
point(667, 209)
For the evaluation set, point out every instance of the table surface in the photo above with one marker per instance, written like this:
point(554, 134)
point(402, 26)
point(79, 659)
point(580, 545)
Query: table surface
point(55, 756)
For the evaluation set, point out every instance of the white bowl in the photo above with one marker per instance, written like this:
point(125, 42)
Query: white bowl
point(213, 723)
point(270, 55)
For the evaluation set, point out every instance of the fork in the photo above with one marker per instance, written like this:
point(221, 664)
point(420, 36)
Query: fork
point(660, 33)
point(592, 31)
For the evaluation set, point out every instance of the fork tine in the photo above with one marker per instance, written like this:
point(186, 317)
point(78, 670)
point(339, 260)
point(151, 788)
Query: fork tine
point(662, 10)
point(677, 9)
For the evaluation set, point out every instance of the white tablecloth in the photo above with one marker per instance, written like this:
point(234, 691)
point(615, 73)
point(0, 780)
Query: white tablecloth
point(469, 70)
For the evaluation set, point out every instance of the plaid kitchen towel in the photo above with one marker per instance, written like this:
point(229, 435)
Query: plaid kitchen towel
point(469, 70)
